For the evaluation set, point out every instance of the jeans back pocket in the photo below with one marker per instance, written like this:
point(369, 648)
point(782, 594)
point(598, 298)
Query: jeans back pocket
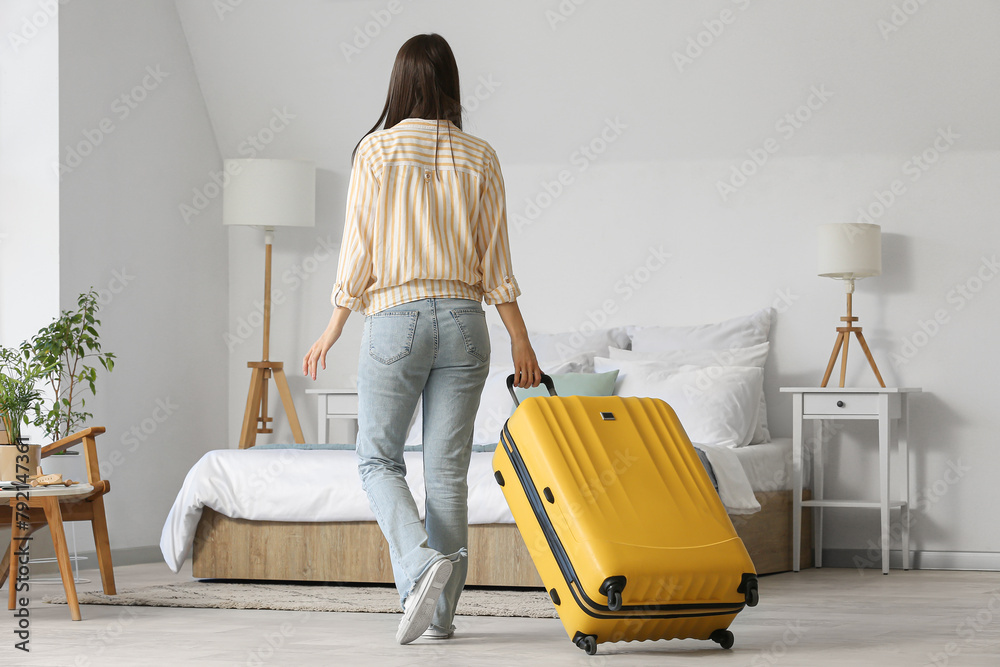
point(390, 335)
point(472, 323)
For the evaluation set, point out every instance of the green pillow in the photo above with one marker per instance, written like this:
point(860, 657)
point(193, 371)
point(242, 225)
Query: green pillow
point(574, 384)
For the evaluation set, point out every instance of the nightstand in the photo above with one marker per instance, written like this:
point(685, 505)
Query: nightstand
point(887, 406)
point(334, 404)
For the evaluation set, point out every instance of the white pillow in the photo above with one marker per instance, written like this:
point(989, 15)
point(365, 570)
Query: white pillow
point(495, 405)
point(735, 333)
point(717, 405)
point(551, 349)
point(755, 357)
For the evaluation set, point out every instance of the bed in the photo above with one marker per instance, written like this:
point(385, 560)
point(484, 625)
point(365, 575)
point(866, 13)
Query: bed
point(300, 515)
point(342, 543)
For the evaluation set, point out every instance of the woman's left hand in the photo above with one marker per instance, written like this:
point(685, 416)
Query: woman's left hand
point(316, 356)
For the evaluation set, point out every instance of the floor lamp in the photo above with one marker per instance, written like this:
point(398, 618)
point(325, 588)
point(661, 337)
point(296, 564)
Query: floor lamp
point(849, 251)
point(268, 194)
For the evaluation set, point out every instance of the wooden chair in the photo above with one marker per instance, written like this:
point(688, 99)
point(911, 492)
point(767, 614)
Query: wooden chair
point(55, 505)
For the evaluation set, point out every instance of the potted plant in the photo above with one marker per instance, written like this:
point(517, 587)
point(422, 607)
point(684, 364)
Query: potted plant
point(66, 349)
point(18, 396)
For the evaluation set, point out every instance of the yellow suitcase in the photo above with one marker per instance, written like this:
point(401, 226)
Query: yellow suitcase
point(622, 521)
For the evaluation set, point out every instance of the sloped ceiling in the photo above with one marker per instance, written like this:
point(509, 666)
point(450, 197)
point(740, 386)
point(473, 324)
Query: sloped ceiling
point(608, 60)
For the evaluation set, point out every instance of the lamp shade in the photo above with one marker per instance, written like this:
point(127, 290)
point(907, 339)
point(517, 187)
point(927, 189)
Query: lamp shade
point(270, 193)
point(850, 250)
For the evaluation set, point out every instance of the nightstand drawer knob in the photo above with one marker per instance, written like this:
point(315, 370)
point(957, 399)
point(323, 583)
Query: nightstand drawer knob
point(840, 404)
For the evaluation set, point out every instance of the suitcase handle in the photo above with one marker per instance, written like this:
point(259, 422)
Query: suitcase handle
point(546, 380)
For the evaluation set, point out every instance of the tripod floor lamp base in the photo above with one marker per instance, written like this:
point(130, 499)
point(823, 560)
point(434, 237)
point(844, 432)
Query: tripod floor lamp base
point(255, 418)
point(840, 346)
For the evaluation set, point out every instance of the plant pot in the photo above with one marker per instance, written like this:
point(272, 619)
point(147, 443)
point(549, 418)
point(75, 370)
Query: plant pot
point(8, 460)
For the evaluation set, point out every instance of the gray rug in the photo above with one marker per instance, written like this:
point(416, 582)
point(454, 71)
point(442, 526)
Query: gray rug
point(303, 597)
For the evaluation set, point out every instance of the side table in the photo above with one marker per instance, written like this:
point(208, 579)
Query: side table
point(334, 404)
point(46, 503)
point(889, 407)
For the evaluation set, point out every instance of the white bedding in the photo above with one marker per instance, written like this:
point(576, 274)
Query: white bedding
point(267, 485)
point(768, 466)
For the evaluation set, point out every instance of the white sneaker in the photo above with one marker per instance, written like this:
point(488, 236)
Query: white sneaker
point(419, 607)
point(437, 633)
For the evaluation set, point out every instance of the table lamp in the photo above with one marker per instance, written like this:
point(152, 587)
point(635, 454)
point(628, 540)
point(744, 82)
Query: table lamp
point(268, 194)
point(849, 251)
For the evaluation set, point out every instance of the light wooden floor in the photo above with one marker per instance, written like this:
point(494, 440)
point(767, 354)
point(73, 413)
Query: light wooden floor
point(814, 618)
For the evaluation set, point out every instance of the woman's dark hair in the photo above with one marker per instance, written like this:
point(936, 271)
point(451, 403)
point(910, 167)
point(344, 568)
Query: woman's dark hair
point(423, 84)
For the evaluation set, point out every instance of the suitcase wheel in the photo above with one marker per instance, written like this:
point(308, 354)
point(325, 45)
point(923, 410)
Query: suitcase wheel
point(753, 596)
point(587, 642)
point(748, 586)
point(612, 587)
point(723, 638)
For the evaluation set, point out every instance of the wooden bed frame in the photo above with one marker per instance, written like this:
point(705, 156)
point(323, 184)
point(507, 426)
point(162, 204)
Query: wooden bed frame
point(356, 552)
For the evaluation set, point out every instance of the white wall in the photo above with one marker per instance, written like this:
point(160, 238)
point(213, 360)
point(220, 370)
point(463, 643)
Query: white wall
point(29, 189)
point(163, 281)
point(546, 87)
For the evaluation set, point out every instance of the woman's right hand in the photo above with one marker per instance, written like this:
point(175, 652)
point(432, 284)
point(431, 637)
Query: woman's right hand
point(316, 356)
point(526, 370)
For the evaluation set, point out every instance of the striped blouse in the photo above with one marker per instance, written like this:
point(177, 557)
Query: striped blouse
point(413, 231)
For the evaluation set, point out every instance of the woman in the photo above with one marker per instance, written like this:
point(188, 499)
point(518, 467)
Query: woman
point(425, 241)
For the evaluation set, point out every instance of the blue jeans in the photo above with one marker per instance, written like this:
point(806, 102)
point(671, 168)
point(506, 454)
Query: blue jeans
point(439, 348)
